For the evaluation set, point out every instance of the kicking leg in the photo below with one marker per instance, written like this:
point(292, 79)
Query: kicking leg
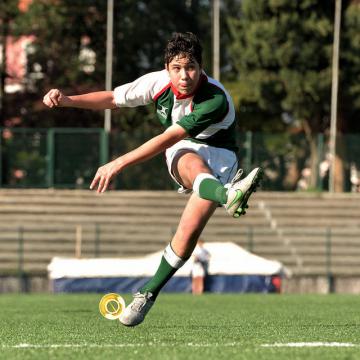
point(191, 171)
point(196, 175)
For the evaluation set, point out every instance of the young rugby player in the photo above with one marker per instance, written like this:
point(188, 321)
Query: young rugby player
point(199, 143)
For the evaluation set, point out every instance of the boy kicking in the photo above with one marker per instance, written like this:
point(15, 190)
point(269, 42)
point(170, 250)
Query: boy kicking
point(199, 144)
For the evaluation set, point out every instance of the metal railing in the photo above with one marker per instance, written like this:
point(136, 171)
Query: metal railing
point(69, 157)
point(24, 257)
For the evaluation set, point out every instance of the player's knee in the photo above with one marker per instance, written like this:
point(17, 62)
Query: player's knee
point(193, 164)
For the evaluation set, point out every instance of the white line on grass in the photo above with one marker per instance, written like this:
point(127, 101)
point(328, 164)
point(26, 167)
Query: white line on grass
point(199, 345)
point(311, 344)
point(55, 346)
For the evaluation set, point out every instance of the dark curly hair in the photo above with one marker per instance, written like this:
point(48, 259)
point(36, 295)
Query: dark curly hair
point(185, 44)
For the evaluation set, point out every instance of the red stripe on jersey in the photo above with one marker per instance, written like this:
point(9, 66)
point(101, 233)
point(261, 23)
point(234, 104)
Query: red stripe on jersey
point(177, 94)
point(161, 91)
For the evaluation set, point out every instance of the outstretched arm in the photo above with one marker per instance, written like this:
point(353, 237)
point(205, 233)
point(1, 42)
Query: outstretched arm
point(144, 152)
point(99, 100)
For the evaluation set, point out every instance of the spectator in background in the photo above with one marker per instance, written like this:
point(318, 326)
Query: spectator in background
point(200, 268)
point(304, 181)
point(324, 170)
point(354, 178)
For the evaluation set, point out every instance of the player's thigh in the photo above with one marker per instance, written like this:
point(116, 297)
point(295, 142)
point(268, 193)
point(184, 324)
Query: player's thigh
point(188, 165)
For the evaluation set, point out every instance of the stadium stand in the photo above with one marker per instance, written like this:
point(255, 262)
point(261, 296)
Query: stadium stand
point(310, 233)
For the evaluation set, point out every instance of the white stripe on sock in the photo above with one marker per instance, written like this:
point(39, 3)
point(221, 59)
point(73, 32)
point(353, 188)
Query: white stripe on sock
point(199, 179)
point(174, 261)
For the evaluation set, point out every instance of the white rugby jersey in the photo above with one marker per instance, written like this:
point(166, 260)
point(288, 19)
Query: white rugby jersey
point(208, 115)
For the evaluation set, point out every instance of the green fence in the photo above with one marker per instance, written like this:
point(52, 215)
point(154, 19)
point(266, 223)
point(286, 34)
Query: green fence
point(69, 157)
point(50, 157)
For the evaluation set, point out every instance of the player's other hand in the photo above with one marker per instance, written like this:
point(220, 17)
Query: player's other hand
point(55, 98)
point(104, 175)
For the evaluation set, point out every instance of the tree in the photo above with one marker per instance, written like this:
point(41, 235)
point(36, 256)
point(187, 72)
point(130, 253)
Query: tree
point(349, 91)
point(62, 26)
point(8, 14)
point(282, 53)
point(350, 68)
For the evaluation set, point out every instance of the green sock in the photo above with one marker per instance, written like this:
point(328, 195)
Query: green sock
point(169, 264)
point(210, 188)
point(163, 274)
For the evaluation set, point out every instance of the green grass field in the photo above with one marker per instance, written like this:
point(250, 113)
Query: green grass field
point(183, 327)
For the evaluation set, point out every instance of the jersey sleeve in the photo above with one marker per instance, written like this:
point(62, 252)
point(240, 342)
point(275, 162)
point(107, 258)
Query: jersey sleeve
point(205, 114)
point(141, 91)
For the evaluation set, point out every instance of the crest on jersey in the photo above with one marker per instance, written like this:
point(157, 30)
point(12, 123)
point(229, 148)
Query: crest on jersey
point(162, 111)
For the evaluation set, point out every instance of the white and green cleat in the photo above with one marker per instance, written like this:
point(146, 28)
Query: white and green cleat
point(134, 314)
point(240, 191)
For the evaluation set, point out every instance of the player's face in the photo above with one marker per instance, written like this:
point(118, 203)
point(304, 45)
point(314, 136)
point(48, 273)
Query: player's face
point(184, 74)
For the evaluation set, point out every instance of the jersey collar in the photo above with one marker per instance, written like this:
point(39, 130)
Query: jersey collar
point(180, 96)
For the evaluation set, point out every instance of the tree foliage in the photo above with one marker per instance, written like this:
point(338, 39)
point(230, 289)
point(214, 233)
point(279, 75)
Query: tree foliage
point(141, 30)
point(350, 69)
point(8, 13)
point(282, 53)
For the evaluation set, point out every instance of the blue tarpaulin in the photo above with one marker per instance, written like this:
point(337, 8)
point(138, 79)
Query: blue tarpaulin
point(214, 283)
point(231, 269)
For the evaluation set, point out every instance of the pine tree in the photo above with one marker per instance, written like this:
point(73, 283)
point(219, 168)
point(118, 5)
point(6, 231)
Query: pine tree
point(283, 51)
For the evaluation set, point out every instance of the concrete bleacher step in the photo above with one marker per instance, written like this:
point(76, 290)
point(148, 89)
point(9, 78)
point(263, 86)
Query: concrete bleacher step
point(148, 219)
point(348, 230)
point(289, 227)
point(302, 204)
point(323, 213)
point(106, 232)
point(341, 271)
point(319, 258)
point(315, 222)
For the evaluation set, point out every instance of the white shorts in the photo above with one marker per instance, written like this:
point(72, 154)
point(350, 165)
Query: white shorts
point(222, 162)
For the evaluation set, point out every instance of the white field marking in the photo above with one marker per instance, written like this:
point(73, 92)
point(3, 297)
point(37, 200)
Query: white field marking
point(312, 344)
point(57, 346)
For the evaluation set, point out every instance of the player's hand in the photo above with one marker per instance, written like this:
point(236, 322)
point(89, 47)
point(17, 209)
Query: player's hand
point(55, 98)
point(104, 175)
